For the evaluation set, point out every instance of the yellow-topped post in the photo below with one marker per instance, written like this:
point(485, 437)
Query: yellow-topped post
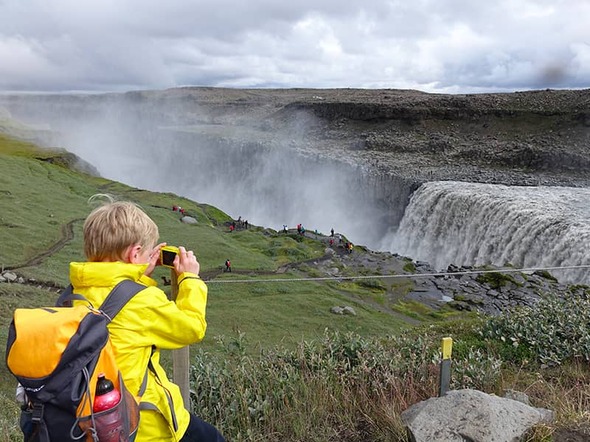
point(447, 348)
point(445, 366)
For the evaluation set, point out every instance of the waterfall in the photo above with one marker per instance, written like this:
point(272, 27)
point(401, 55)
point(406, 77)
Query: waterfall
point(271, 184)
point(476, 224)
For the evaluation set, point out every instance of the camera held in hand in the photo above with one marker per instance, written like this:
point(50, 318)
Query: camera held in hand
point(167, 255)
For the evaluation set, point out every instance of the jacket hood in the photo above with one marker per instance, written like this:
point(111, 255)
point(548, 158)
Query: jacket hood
point(104, 274)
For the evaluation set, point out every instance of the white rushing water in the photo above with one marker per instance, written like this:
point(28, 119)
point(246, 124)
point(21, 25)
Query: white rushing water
point(476, 224)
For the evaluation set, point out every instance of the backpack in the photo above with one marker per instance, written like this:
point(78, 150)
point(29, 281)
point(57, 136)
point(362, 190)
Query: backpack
point(56, 354)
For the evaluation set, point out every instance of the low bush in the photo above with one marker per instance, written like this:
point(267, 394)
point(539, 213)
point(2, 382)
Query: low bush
point(333, 386)
point(553, 331)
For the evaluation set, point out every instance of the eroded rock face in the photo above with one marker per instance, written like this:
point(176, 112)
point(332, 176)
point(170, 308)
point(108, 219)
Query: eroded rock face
point(516, 139)
point(469, 291)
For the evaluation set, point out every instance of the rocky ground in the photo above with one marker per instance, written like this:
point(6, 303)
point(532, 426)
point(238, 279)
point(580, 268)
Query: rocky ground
point(488, 290)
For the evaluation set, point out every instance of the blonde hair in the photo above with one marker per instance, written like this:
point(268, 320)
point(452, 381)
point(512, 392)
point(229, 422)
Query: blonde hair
point(114, 226)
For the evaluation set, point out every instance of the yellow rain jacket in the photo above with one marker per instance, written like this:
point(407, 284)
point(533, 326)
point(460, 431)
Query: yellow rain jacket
point(148, 321)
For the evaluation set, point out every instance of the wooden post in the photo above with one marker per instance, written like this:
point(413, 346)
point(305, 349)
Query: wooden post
point(180, 357)
point(445, 366)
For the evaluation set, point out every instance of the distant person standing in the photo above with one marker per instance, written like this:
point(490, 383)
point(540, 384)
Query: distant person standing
point(332, 232)
point(227, 265)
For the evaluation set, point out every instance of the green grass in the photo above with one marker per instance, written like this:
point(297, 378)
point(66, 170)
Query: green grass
point(36, 198)
point(413, 309)
point(410, 267)
point(271, 313)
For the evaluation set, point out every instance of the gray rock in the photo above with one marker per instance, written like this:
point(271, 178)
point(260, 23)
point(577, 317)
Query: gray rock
point(189, 220)
point(348, 310)
point(9, 276)
point(337, 310)
point(471, 415)
point(517, 396)
point(520, 279)
point(428, 296)
point(343, 310)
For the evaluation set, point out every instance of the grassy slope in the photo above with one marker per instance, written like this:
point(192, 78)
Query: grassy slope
point(39, 197)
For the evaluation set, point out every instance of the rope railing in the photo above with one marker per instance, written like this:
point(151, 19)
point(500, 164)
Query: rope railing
point(413, 275)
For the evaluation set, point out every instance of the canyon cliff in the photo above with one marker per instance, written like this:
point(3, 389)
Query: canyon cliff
point(520, 138)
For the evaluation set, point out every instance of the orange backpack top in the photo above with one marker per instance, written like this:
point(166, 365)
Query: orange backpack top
point(56, 354)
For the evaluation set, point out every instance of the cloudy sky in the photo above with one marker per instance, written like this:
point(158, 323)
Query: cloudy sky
point(453, 46)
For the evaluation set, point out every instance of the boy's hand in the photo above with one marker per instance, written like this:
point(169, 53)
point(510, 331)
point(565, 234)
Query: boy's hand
point(186, 261)
point(154, 258)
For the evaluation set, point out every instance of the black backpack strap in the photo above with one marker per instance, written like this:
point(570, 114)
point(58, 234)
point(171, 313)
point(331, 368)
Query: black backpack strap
point(67, 296)
point(119, 296)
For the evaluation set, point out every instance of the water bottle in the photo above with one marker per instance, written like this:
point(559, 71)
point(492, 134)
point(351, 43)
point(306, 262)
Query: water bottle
point(106, 395)
point(110, 423)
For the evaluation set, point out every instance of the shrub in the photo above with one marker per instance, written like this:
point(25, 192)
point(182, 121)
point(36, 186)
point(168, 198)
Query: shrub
point(326, 387)
point(479, 370)
point(554, 330)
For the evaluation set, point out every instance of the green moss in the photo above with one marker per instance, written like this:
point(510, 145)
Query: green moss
point(410, 267)
point(495, 280)
point(412, 309)
point(372, 284)
point(545, 274)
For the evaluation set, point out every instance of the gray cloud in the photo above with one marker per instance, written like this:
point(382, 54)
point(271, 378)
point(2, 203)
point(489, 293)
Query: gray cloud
point(432, 45)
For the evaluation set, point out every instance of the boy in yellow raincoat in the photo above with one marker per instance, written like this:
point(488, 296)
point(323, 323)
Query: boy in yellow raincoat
point(120, 242)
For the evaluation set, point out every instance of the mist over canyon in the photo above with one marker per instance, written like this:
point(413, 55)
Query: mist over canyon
point(468, 180)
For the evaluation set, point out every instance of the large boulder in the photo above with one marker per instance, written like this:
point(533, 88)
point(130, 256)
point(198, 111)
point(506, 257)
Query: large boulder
point(471, 415)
